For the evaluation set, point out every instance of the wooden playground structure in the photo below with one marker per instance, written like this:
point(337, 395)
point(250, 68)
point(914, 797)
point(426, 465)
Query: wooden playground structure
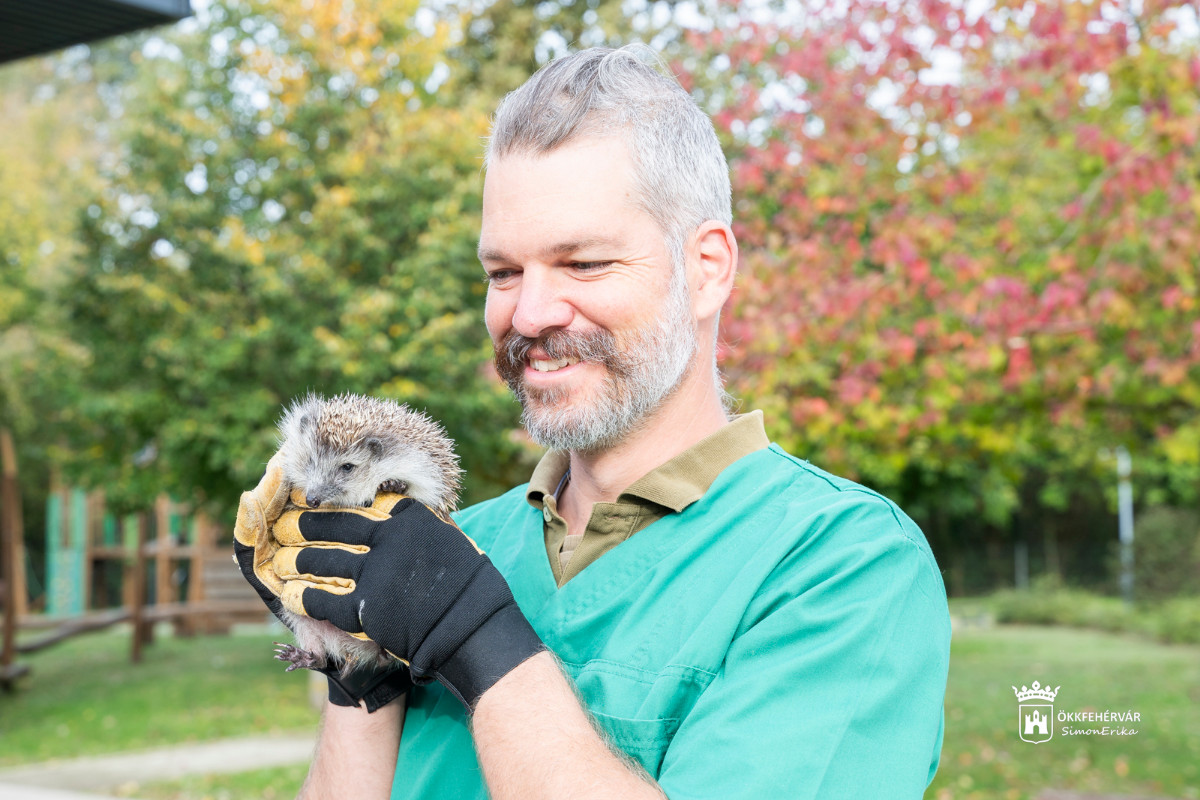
point(162, 564)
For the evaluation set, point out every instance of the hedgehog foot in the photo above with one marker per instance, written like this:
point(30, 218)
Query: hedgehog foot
point(399, 487)
point(297, 658)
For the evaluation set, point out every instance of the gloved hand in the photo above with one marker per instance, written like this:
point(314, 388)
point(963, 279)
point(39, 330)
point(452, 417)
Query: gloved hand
point(253, 546)
point(414, 584)
point(254, 549)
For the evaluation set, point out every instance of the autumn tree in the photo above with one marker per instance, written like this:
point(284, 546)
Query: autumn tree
point(289, 202)
point(968, 237)
point(970, 244)
point(505, 41)
point(50, 138)
point(292, 209)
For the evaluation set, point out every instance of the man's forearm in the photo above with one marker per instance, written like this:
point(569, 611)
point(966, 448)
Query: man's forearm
point(535, 740)
point(355, 754)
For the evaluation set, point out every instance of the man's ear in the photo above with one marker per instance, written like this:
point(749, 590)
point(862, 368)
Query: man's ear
point(713, 258)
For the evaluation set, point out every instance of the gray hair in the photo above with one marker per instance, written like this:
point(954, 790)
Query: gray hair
point(680, 172)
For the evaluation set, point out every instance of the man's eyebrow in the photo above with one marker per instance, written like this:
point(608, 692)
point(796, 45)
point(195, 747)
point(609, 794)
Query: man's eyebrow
point(575, 245)
point(563, 248)
point(487, 254)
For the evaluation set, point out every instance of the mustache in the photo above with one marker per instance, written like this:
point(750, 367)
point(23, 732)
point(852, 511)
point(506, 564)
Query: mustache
point(597, 346)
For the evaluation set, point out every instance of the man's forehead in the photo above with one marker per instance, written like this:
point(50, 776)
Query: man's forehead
point(568, 170)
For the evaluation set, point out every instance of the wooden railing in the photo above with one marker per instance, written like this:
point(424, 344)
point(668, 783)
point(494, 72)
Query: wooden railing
point(161, 544)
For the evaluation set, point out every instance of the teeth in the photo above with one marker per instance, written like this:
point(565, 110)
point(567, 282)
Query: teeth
point(551, 366)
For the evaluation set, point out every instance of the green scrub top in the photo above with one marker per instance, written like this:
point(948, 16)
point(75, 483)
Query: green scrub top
point(786, 635)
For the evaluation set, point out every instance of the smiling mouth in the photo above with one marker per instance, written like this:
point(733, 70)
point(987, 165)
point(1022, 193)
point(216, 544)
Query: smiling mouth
point(547, 365)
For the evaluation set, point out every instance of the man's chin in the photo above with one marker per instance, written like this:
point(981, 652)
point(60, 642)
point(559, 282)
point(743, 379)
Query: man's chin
point(543, 400)
point(562, 428)
point(547, 415)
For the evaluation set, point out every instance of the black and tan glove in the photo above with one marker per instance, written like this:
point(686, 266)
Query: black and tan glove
point(253, 546)
point(411, 582)
point(254, 549)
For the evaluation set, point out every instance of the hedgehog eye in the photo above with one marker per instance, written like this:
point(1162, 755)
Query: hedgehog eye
point(347, 467)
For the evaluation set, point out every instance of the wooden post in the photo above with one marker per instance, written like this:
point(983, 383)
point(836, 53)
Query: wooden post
point(10, 534)
point(196, 590)
point(137, 590)
point(12, 506)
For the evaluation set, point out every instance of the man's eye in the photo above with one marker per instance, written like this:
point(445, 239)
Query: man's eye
point(498, 276)
point(588, 266)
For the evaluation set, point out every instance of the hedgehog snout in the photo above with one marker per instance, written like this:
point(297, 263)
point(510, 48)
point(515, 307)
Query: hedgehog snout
point(313, 500)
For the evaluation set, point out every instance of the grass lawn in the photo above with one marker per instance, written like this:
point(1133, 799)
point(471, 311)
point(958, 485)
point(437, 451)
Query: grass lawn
point(84, 697)
point(984, 758)
point(267, 784)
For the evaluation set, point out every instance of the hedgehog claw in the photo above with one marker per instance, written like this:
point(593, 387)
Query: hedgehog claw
point(393, 485)
point(297, 658)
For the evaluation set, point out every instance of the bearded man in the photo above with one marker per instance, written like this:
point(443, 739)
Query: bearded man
point(672, 606)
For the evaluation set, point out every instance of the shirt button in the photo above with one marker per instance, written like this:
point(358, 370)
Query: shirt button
point(546, 513)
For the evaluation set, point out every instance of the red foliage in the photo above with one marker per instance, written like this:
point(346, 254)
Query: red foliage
point(961, 234)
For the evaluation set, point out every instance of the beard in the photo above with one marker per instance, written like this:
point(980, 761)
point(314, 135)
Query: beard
point(644, 368)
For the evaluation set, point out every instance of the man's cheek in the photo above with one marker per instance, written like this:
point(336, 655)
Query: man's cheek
point(494, 329)
point(497, 317)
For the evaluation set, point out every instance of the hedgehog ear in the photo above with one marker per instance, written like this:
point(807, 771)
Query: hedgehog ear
point(307, 422)
point(375, 445)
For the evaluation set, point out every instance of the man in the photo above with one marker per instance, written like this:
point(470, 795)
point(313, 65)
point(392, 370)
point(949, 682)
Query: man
point(693, 613)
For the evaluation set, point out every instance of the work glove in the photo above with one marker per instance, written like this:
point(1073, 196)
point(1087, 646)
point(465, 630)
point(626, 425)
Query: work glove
point(253, 546)
point(254, 549)
point(411, 582)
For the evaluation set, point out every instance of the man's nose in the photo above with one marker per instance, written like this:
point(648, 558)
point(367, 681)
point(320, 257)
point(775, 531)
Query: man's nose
point(543, 304)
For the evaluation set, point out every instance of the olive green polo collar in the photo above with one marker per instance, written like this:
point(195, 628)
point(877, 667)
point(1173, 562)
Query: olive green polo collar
point(679, 482)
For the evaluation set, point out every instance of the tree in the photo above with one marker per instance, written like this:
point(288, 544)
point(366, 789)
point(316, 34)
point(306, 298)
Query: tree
point(293, 210)
point(287, 202)
point(970, 242)
point(505, 41)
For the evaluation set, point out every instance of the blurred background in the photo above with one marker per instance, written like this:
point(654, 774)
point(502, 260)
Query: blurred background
point(970, 280)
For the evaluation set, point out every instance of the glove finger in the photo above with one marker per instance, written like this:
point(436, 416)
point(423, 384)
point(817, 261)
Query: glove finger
point(261, 505)
point(340, 526)
point(255, 563)
point(273, 490)
point(251, 521)
point(318, 562)
point(341, 610)
point(245, 560)
point(393, 504)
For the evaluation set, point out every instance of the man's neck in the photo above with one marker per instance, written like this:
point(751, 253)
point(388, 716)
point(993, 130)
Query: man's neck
point(690, 415)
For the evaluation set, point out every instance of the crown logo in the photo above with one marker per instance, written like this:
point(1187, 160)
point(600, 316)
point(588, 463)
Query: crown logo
point(1038, 691)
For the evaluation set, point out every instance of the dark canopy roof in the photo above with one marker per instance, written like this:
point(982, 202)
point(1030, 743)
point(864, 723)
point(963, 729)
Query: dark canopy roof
point(30, 27)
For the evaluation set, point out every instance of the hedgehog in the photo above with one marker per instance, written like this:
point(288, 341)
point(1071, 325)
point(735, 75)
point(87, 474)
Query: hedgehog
point(341, 453)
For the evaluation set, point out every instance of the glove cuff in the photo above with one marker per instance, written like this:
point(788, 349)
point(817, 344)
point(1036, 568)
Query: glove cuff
point(373, 689)
point(497, 647)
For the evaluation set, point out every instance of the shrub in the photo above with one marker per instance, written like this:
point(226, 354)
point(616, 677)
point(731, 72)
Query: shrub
point(1178, 621)
point(1048, 602)
point(1166, 553)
